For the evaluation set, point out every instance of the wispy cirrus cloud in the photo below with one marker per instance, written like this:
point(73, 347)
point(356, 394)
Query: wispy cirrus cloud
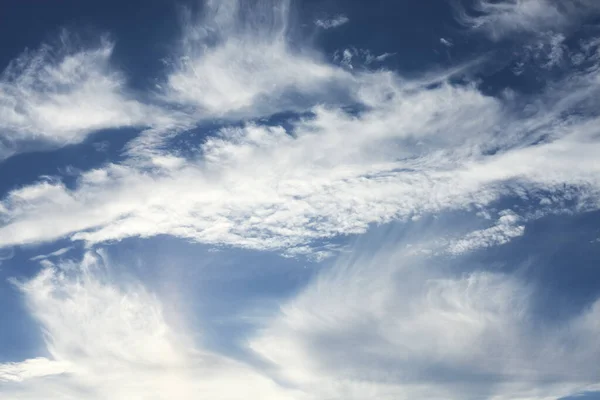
point(263, 187)
point(504, 17)
point(379, 322)
point(60, 94)
point(112, 339)
point(334, 22)
point(363, 147)
point(235, 61)
point(508, 226)
point(30, 369)
point(333, 173)
point(418, 332)
point(307, 183)
point(416, 147)
point(499, 18)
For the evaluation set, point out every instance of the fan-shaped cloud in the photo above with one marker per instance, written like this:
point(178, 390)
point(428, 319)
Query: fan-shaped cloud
point(393, 325)
point(236, 61)
point(385, 323)
point(110, 339)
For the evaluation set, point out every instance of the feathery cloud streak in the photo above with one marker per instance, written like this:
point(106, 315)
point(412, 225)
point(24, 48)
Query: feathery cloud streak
point(414, 330)
point(415, 147)
point(58, 95)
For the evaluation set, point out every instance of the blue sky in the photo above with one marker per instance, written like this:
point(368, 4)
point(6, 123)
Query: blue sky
point(300, 200)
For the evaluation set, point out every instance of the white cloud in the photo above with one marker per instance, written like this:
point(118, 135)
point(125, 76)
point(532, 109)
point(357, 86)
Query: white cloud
point(504, 17)
point(110, 339)
point(32, 368)
point(416, 146)
point(56, 253)
point(393, 325)
point(508, 227)
point(58, 95)
point(264, 188)
point(334, 22)
point(383, 323)
point(235, 62)
point(414, 150)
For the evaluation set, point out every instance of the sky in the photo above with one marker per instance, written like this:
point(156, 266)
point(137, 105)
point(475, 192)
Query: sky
point(300, 199)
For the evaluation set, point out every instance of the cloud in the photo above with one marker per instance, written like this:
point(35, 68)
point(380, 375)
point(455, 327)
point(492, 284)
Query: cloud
point(235, 61)
point(414, 149)
point(56, 253)
point(381, 322)
point(32, 368)
point(364, 147)
point(501, 18)
point(352, 57)
point(58, 95)
point(506, 228)
point(262, 187)
point(109, 339)
point(388, 323)
point(446, 42)
point(379, 149)
point(334, 22)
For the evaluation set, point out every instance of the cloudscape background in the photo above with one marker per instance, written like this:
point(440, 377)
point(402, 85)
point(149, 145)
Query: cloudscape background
point(300, 199)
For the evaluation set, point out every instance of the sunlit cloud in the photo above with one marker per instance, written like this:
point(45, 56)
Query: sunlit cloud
point(382, 322)
point(252, 138)
point(414, 150)
point(112, 339)
point(387, 323)
point(60, 94)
